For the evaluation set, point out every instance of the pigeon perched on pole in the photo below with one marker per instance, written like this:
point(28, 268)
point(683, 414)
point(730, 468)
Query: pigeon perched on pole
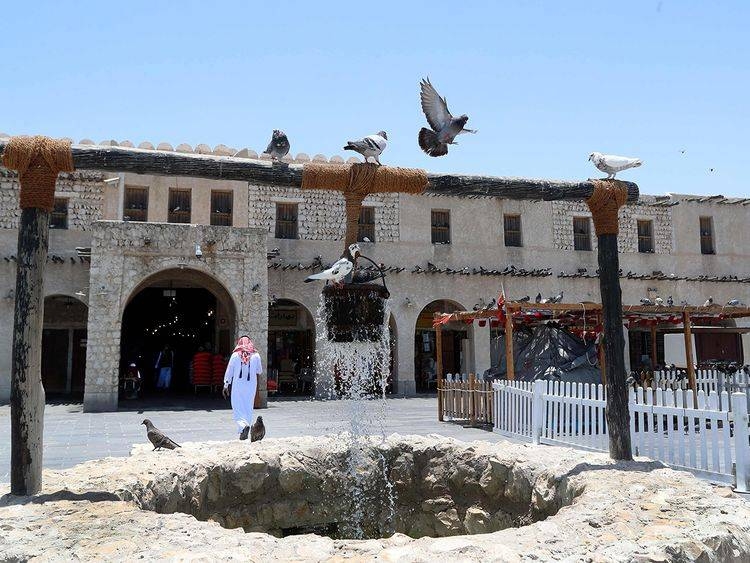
point(257, 430)
point(612, 164)
point(279, 146)
point(370, 147)
point(157, 438)
point(444, 126)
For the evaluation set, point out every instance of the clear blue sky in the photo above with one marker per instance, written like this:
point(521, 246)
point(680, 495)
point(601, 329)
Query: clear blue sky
point(546, 83)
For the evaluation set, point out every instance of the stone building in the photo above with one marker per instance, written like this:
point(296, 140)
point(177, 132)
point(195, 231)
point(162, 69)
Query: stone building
point(136, 261)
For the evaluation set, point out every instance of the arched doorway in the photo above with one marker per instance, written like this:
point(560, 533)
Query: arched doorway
point(64, 346)
point(456, 345)
point(186, 311)
point(291, 348)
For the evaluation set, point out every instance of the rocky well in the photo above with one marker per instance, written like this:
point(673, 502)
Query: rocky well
point(450, 501)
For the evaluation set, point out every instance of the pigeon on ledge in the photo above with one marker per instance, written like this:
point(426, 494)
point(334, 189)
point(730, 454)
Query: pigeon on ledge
point(444, 126)
point(538, 298)
point(735, 303)
point(334, 274)
point(157, 438)
point(371, 146)
point(708, 302)
point(278, 148)
point(612, 164)
point(647, 302)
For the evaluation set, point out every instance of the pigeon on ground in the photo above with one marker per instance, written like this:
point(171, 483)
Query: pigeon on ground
point(708, 302)
point(444, 126)
point(278, 148)
point(670, 301)
point(659, 302)
point(647, 302)
point(612, 164)
point(158, 439)
point(735, 303)
point(538, 298)
point(370, 147)
point(258, 430)
point(340, 269)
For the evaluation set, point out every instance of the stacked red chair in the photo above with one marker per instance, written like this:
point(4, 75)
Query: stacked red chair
point(202, 369)
point(218, 367)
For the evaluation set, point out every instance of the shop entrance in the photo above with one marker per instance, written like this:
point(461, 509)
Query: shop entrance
point(291, 349)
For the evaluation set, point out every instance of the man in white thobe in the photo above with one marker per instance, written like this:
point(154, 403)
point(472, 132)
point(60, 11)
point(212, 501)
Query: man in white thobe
point(242, 373)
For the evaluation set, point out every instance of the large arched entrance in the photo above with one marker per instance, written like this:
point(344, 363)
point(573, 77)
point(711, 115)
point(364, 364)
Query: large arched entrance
point(456, 345)
point(291, 348)
point(64, 346)
point(169, 318)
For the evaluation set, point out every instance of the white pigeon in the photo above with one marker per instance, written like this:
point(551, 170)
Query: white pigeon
point(735, 303)
point(335, 273)
point(709, 302)
point(612, 164)
point(659, 302)
point(647, 302)
point(370, 147)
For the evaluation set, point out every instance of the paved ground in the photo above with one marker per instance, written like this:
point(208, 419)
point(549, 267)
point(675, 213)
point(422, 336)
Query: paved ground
point(72, 436)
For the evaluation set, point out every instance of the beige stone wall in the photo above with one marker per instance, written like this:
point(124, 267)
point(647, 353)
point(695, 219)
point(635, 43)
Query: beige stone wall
point(121, 262)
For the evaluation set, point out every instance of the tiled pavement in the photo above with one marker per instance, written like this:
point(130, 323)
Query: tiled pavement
point(72, 436)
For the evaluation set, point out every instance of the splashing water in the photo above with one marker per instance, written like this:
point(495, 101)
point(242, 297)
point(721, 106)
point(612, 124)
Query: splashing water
point(357, 374)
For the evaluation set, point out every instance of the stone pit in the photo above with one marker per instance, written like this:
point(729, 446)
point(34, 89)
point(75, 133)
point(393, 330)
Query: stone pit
point(448, 500)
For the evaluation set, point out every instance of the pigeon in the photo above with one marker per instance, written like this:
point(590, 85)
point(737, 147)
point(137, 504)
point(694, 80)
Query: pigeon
point(258, 430)
point(659, 302)
point(556, 299)
point(278, 148)
point(158, 439)
point(670, 301)
point(538, 298)
point(354, 251)
point(335, 273)
point(612, 164)
point(490, 305)
point(708, 302)
point(431, 267)
point(646, 302)
point(444, 126)
point(684, 303)
point(370, 147)
point(735, 303)
point(525, 299)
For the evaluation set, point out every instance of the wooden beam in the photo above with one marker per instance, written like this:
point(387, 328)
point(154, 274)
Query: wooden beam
point(211, 167)
point(439, 367)
point(510, 368)
point(653, 348)
point(689, 356)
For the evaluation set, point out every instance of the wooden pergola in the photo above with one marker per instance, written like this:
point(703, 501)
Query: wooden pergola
point(39, 160)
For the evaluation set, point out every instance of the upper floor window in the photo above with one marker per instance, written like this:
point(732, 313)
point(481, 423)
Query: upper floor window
point(58, 219)
point(221, 208)
point(179, 206)
point(707, 235)
point(512, 230)
point(366, 231)
point(135, 205)
point(581, 233)
point(441, 226)
point(645, 236)
point(286, 220)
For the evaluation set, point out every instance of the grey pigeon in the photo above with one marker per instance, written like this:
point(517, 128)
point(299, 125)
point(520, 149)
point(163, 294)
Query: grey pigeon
point(157, 438)
point(735, 303)
point(670, 301)
point(647, 302)
point(538, 298)
point(278, 148)
point(444, 126)
point(556, 299)
point(525, 299)
point(258, 430)
point(370, 147)
point(612, 164)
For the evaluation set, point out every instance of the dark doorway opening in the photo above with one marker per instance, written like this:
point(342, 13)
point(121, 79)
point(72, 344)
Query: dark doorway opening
point(291, 349)
point(64, 347)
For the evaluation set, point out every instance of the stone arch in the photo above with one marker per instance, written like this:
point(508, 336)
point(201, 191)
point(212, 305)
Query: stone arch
point(457, 348)
point(291, 347)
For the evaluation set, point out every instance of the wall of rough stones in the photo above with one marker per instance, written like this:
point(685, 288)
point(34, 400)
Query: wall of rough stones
point(233, 257)
point(321, 214)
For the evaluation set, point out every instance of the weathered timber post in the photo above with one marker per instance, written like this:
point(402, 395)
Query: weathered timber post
point(439, 368)
point(604, 203)
point(510, 367)
point(38, 161)
point(687, 330)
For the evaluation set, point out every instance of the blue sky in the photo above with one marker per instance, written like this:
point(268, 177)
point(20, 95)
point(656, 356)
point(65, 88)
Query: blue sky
point(545, 83)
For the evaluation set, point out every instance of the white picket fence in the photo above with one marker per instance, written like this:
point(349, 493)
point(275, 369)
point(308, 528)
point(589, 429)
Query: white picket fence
point(700, 434)
point(706, 380)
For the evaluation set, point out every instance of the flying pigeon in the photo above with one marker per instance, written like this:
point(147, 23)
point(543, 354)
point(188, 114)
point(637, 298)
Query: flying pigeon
point(278, 148)
point(646, 302)
point(335, 273)
point(735, 303)
point(158, 439)
point(670, 301)
point(709, 302)
point(538, 298)
point(444, 126)
point(659, 302)
point(258, 430)
point(612, 164)
point(369, 147)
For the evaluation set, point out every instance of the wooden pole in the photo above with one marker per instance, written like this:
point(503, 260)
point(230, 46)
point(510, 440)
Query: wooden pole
point(165, 163)
point(510, 368)
point(439, 367)
point(602, 364)
point(689, 355)
point(472, 400)
point(653, 348)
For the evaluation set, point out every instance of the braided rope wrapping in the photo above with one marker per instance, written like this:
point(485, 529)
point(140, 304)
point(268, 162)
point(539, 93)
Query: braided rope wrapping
point(604, 203)
point(38, 160)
